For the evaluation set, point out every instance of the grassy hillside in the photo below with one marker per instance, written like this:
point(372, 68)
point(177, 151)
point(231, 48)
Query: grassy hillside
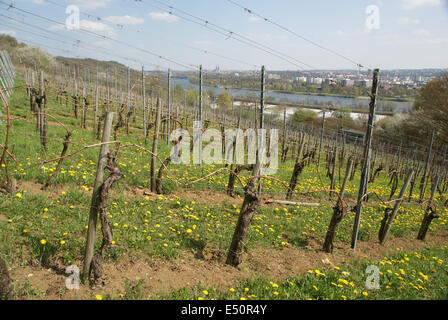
point(173, 246)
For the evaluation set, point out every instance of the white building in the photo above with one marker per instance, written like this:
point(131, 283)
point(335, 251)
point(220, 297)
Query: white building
point(317, 81)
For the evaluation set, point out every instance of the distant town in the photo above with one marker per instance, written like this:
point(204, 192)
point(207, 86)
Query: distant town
point(413, 79)
point(399, 85)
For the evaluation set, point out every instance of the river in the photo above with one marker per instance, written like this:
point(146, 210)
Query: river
point(302, 99)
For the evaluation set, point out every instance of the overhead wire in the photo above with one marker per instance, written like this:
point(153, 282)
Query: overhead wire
point(230, 34)
point(204, 51)
point(186, 66)
point(77, 43)
point(250, 11)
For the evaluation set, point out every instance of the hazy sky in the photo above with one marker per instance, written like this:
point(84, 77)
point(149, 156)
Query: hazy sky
point(411, 34)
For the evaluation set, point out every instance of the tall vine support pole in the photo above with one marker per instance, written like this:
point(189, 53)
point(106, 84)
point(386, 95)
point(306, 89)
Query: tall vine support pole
point(3, 98)
point(107, 90)
point(42, 118)
point(154, 146)
point(298, 168)
point(366, 158)
point(200, 115)
point(185, 107)
point(168, 121)
point(251, 197)
point(95, 113)
point(116, 89)
point(425, 172)
point(322, 130)
point(8, 127)
point(261, 136)
point(143, 102)
point(128, 98)
point(94, 206)
point(284, 134)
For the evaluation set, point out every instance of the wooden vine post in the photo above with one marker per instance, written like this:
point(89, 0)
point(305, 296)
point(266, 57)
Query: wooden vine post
point(128, 99)
point(41, 101)
point(144, 102)
point(366, 158)
point(154, 147)
point(76, 104)
point(108, 91)
point(3, 163)
point(200, 115)
point(94, 206)
point(84, 111)
point(95, 113)
point(251, 197)
point(168, 121)
point(322, 130)
point(283, 136)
